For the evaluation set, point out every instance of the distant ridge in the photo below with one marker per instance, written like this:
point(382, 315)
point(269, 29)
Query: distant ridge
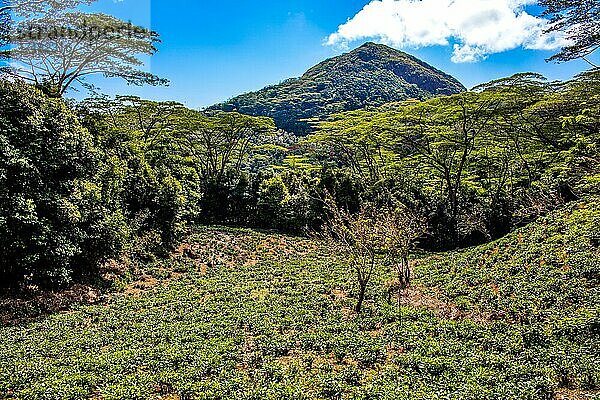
point(370, 75)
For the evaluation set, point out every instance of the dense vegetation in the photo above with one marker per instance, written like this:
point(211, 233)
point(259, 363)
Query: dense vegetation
point(371, 75)
point(131, 175)
point(480, 163)
point(58, 220)
point(257, 316)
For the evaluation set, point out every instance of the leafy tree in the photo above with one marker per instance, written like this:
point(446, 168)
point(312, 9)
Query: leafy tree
point(151, 120)
point(32, 7)
point(59, 49)
point(444, 135)
point(28, 9)
point(436, 141)
point(273, 196)
point(479, 160)
point(60, 213)
point(579, 20)
point(222, 141)
point(355, 141)
point(220, 145)
point(161, 181)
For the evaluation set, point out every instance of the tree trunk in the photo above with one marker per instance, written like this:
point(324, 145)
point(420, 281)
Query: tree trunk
point(361, 297)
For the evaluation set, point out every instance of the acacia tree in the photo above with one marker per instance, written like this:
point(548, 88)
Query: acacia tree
point(149, 119)
point(221, 142)
point(27, 9)
point(58, 49)
point(436, 142)
point(579, 20)
point(443, 136)
point(354, 141)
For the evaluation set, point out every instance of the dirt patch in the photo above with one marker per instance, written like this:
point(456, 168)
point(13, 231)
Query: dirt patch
point(25, 309)
point(234, 250)
point(167, 396)
point(415, 296)
point(568, 394)
point(144, 284)
point(347, 313)
point(314, 360)
point(218, 249)
point(339, 294)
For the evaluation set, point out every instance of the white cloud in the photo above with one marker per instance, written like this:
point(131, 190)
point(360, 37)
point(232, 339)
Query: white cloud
point(477, 28)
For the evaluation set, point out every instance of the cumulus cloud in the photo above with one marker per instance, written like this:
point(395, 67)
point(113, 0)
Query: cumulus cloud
point(475, 28)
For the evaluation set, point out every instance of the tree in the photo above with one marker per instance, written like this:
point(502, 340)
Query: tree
point(360, 237)
point(372, 234)
point(273, 195)
point(222, 141)
point(220, 144)
point(149, 119)
point(58, 217)
point(441, 137)
point(402, 228)
point(354, 141)
point(161, 179)
point(579, 20)
point(59, 49)
point(29, 9)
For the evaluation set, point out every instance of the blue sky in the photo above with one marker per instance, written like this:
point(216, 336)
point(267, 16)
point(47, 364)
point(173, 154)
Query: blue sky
point(213, 50)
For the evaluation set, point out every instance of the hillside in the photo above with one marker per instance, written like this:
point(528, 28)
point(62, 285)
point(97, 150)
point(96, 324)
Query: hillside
point(368, 76)
point(240, 314)
point(547, 272)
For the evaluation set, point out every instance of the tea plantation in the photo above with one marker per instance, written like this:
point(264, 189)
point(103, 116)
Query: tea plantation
point(247, 315)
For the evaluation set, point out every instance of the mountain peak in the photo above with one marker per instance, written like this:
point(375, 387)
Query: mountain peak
point(370, 45)
point(368, 76)
point(377, 49)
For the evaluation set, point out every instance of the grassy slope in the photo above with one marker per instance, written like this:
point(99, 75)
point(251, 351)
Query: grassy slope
point(268, 317)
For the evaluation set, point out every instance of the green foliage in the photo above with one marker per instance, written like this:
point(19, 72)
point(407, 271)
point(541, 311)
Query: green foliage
point(366, 77)
point(181, 166)
point(55, 49)
point(542, 273)
point(159, 189)
point(475, 163)
point(287, 202)
point(57, 218)
point(272, 198)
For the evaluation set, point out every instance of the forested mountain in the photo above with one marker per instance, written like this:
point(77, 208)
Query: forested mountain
point(370, 75)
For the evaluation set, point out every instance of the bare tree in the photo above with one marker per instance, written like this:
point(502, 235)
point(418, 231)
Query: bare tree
point(402, 228)
point(373, 235)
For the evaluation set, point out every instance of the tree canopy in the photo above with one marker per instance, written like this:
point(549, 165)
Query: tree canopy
point(579, 20)
point(54, 49)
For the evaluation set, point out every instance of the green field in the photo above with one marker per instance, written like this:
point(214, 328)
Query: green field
point(262, 316)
